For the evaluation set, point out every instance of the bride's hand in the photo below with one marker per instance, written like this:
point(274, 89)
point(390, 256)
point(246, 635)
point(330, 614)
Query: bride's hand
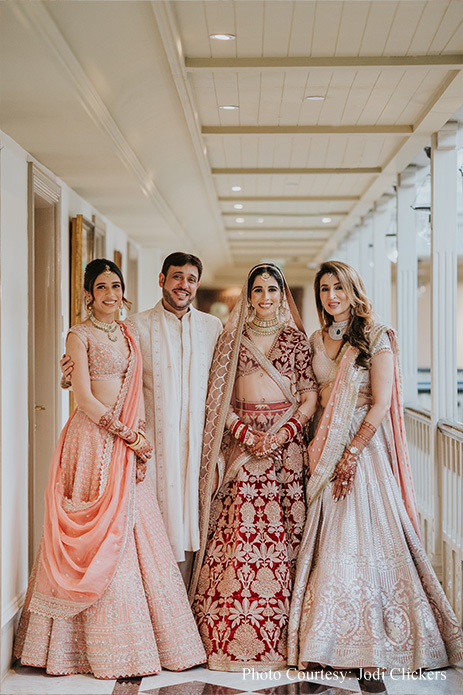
point(255, 446)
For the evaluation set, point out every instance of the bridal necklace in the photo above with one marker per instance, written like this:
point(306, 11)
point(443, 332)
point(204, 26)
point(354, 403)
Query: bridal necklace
point(108, 328)
point(265, 326)
point(336, 330)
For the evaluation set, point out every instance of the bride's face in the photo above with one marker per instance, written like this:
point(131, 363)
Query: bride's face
point(265, 297)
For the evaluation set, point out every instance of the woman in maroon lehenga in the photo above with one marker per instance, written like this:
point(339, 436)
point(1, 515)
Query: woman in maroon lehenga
point(261, 394)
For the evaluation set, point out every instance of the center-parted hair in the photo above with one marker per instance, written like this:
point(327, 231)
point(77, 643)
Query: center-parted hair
point(269, 268)
point(96, 268)
point(362, 320)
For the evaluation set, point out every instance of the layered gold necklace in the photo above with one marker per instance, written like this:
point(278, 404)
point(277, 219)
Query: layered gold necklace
point(108, 328)
point(265, 326)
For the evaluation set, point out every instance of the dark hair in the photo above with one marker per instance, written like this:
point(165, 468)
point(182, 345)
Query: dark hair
point(357, 333)
point(178, 258)
point(269, 268)
point(98, 266)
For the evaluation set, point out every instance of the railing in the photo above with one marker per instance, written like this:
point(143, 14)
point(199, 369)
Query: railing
point(439, 491)
point(450, 457)
point(418, 426)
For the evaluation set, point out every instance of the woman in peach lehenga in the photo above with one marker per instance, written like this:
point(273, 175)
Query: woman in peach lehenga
point(261, 393)
point(365, 594)
point(105, 595)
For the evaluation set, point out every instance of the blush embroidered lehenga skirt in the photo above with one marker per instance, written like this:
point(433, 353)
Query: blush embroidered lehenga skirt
point(242, 600)
point(143, 620)
point(372, 598)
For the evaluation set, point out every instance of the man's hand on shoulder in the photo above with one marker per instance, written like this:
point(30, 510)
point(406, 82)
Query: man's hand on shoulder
point(67, 366)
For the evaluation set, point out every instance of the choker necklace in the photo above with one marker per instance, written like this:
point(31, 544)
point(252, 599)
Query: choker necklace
point(336, 330)
point(108, 328)
point(265, 326)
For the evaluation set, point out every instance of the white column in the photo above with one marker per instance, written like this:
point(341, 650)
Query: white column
point(381, 263)
point(366, 254)
point(354, 249)
point(407, 296)
point(443, 305)
point(148, 276)
point(444, 272)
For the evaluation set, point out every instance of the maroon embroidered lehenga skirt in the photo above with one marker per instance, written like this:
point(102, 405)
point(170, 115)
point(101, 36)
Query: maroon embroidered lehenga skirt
point(244, 589)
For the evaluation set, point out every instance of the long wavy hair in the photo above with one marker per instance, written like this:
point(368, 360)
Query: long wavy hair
point(362, 319)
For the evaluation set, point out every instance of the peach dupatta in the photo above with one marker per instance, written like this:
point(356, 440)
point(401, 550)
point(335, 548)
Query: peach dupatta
point(332, 433)
point(81, 546)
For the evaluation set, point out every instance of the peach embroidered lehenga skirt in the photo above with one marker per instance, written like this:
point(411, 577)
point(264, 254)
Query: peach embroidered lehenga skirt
point(143, 620)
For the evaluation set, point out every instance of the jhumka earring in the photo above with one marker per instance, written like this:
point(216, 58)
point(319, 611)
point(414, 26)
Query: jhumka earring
point(251, 311)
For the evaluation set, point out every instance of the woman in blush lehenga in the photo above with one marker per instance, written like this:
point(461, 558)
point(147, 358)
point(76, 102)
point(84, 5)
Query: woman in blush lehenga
point(261, 394)
point(105, 595)
point(365, 594)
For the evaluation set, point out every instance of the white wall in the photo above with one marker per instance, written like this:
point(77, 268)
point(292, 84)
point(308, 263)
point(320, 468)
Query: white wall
point(14, 360)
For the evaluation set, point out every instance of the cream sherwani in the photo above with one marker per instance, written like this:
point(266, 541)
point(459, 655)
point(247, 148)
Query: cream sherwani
point(177, 356)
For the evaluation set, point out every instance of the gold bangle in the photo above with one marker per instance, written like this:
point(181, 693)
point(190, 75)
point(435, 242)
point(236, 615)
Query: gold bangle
point(138, 443)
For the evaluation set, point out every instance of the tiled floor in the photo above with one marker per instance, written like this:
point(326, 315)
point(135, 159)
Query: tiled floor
point(199, 681)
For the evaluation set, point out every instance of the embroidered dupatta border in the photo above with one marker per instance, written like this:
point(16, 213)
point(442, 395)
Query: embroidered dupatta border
point(51, 597)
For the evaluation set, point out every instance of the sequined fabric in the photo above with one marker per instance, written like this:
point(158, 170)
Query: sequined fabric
point(242, 599)
point(143, 620)
point(372, 598)
point(105, 360)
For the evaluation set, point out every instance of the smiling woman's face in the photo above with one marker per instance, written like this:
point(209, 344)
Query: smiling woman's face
point(265, 297)
point(333, 298)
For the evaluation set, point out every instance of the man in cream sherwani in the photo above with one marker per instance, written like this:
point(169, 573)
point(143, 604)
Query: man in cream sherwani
point(177, 343)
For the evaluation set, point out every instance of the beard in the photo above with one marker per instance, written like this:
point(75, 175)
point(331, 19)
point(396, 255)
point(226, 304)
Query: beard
point(176, 303)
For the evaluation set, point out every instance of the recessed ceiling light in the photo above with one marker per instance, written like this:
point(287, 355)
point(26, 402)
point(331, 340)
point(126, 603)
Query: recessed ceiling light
point(236, 188)
point(326, 220)
point(239, 220)
point(229, 107)
point(238, 206)
point(260, 220)
point(222, 37)
point(315, 97)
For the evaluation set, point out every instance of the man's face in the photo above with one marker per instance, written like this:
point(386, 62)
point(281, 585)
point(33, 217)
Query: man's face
point(179, 286)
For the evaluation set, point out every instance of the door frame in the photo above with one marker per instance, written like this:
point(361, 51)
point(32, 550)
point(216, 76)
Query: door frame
point(41, 185)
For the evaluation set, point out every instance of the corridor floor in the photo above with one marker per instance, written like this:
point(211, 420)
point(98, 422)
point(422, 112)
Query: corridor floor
point(22, 680)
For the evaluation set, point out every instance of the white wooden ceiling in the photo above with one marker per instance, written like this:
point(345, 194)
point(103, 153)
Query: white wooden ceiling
point(122, 100)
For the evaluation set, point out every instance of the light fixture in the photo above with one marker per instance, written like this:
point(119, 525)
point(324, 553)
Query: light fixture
point(236, 188)
point(315, 97)
point(238, 206)
point(229, 107)
point(239, 220)
point(222, 37)
point(260, 220)
point(326, 220)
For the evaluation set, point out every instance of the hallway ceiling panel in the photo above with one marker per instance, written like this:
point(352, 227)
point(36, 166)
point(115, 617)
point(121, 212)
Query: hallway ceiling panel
point(122, 100)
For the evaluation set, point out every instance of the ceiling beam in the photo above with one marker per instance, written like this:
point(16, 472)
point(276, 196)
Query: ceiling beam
point(289, 170)
point(281, 230)
point(309, 130)
point(450, 61)
point(243, 213)
point(290, 199)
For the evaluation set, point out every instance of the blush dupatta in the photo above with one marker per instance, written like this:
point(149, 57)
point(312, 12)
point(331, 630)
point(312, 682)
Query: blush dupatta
point(82, 544)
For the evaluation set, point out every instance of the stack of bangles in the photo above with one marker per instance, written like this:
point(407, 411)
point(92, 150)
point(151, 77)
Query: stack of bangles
point(293, 426)
point(138, 443)
point(239, 430)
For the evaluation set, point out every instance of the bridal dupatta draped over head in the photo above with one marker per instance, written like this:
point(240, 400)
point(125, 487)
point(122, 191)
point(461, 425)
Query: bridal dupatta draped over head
point(82, 543)
point(221, 383)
